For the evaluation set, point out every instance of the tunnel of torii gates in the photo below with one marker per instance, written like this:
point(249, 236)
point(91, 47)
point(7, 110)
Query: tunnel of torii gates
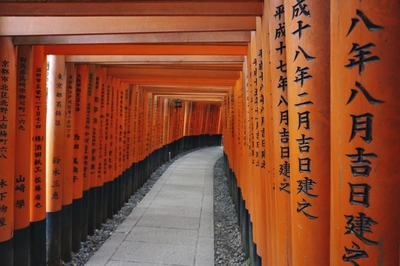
point(305, 94)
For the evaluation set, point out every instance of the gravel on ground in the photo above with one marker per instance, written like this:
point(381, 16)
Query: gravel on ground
point(227, 238)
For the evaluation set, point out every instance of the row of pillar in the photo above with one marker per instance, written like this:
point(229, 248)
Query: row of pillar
point(75, 144)
point(311, 133)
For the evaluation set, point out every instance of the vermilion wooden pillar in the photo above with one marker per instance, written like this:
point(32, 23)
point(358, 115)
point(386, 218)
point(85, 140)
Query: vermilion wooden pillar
point(262, 139)
point(257, 215)
point(126, 143)
point(23, 159)
point(79, 177)
point(108, 149)
point(111, 151)
point(91, 149)
point(102, 145)
point(250, 174)
point(7, 147)
point(118, 155)
point(121, 141)
point(132, 136)
point(38, 151)
point(135, 110)
point(280, 128)
point(308, 61)
point(116, 145)
point(365, 124)
point(106, 89)
point(55, 141)
point(66, 230)
point(269, 143)
point(84, 131)
point(96, 141)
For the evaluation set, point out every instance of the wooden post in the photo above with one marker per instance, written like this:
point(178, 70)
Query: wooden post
point(96, 142)
point(279, 91)
point(85, 74)
point(116, 146)
point(267, 135)
point(125, 143)
point(23, 159)
point(118, 154)
point(102, 145)
point(308, 61)
point(261, 139)
point(66, 229)
point(256, 207)
point(365, 124)
point(91, 149)
point(79, 178)
point(38, 151)
point(132, 129)
point(7, 147)
point(105, 113)
point(112, 158)
point(55, 140)
point(110, 152)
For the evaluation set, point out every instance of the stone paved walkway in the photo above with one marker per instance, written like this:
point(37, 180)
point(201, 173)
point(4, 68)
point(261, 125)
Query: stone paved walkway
point(174, 223)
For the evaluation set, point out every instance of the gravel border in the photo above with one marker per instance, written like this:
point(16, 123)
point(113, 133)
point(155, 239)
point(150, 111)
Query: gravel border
point(227, 237)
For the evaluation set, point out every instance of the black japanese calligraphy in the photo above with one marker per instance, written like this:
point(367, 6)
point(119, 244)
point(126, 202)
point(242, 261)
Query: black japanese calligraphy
point(359, 226)
point(304, 205)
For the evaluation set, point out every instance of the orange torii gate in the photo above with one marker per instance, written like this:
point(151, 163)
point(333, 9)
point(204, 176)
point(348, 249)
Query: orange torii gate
point(340, 92)
point(76, 95)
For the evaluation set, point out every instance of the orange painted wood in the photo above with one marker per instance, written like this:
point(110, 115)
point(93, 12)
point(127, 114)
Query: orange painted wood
point(119, 128)
point(108, 135)
point(165, 119)
point(160, 122)
point(145, 49)
point(154, 123)
point(308, 61)
point(91, 126)
point(209, 37)
point(86, 73)
point(8, 123)
point(130, 125)
point(270, 258)
point(135, 130)
point(156, 59)
point(80, 178)
point(15, 26)
point(280, 130)
point(140, 124)
point(364, 130)
point(38, 143)
point(55, 134)
point(254, 173)
point(97, 127)
point(149, 122)
point(261, 140)
point(241, 134)
point(69, 134)
point(188, 8)
point(126, 123)
point(101, 164)
point(113, 131)
point(23, 138)
point(179, 81)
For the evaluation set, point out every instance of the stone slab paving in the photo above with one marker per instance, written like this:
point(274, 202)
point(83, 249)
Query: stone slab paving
point(173, 224)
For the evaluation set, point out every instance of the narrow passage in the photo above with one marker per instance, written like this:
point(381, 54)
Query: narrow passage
point(174, 223)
